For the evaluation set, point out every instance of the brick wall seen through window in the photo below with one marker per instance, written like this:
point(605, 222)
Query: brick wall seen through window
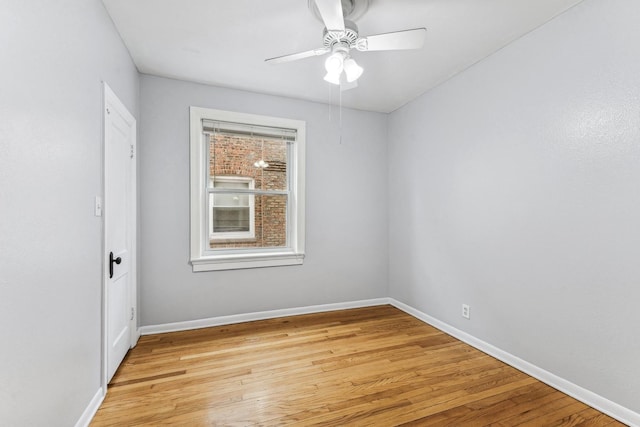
point(241, 156)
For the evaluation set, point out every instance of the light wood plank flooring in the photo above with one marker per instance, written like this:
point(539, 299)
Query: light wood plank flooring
point(374, 366)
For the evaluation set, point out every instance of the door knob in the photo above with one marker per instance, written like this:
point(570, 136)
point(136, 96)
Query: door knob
point(111, 261)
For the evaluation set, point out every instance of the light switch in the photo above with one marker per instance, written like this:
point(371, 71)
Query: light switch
point(98, 206)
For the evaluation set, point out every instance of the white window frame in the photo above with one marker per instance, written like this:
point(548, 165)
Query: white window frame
point(202, 257)
point(224, 235)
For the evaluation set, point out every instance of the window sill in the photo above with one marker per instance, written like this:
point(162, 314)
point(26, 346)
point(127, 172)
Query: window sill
point(236, 262)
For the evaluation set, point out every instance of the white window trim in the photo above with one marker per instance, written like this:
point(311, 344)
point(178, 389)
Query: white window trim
point(203, 259)
point(221, 235)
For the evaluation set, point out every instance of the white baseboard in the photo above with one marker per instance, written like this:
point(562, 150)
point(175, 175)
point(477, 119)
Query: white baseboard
point(590, 398)
point(260, 315)
point(135, 337)
point(91, 409)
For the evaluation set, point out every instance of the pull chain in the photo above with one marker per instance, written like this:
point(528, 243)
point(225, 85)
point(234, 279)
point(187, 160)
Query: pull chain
point(340, 120)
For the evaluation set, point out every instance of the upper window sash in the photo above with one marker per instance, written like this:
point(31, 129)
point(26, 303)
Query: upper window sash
point(290, 165)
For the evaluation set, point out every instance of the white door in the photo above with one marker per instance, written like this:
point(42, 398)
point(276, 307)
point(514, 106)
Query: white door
point(119, 220)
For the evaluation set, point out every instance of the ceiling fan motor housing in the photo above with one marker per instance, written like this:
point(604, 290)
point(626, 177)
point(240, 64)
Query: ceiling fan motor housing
point(349, 37)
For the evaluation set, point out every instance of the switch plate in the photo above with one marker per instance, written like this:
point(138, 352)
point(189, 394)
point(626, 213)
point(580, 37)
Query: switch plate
point(98, 206)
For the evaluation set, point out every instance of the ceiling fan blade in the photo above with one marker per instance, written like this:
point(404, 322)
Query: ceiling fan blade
point(331, 12)
point(296, 56)
point(398, 40)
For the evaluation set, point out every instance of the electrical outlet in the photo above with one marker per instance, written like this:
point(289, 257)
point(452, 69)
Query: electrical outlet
point(465, 311)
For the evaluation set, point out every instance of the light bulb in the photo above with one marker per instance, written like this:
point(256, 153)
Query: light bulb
point(352, 70)
point(261, 164)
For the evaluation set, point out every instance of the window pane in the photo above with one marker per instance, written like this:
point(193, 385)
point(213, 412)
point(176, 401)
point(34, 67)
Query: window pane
point(262, 159)
point(268, 223)
point(226, 219)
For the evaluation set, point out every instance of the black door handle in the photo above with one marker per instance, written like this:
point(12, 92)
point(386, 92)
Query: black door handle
point(111, 261)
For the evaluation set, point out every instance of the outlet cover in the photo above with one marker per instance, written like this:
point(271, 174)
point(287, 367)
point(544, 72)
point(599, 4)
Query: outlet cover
point(465, 311)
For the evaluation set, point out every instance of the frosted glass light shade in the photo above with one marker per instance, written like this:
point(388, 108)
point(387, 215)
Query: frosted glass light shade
point(352, 70)
point(333, 78)
point(334, 63)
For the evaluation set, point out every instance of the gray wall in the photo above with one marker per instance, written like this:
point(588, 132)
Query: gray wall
point(346, 214)
point(53, 56)
point(515, 188)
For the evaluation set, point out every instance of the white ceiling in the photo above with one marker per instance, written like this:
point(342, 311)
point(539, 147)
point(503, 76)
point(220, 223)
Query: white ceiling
point(225, 43)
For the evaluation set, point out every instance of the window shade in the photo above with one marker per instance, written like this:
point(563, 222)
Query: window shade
point(215, 126)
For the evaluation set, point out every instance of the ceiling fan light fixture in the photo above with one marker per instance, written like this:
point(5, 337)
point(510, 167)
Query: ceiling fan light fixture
point(352, 70)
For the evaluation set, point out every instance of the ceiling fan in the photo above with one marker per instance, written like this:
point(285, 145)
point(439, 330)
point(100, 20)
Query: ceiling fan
point(341, 35)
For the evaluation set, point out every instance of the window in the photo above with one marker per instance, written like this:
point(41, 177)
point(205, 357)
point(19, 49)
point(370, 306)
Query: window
point(231, 216)
point(247, 190)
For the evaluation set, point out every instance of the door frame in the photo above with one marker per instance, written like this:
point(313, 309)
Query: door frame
point(110, 100)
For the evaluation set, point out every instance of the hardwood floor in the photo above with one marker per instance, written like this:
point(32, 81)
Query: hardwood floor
point(373, 366)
